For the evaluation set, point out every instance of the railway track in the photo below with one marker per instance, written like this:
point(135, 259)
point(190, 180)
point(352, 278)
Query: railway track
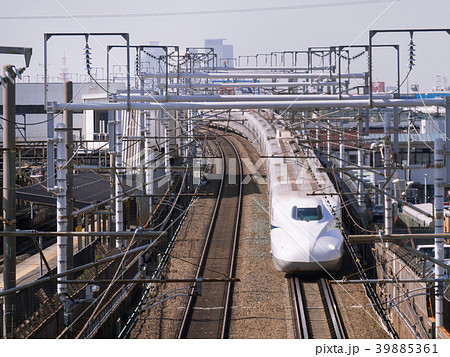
point(207, 316)
point(316, 313)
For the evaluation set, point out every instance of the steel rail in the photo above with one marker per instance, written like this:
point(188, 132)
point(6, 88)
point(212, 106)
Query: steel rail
point(227, 310)
point(299, 310)
point(303, 320)
point(191, 300)
point(228, 267)
point(336, 321)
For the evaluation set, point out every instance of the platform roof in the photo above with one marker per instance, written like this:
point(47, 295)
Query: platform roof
point(89, 187)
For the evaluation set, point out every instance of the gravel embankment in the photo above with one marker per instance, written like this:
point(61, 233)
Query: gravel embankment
point(360, 319)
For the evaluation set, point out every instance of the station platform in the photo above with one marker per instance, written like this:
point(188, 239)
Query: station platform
point(29, 269)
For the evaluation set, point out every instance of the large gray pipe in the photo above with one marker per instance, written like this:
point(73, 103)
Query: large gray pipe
point(252, 105)
point(227, 85)
point(242, 98)
point(232, 69)
point(256, 75)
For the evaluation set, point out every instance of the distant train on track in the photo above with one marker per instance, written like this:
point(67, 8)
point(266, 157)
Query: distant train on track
point(304, 235)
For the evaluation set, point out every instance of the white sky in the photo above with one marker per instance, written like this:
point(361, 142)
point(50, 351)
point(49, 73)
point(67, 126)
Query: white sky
point(309, 23)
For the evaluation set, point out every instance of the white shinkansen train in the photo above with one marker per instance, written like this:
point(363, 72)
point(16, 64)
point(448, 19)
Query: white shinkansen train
point(304, 235)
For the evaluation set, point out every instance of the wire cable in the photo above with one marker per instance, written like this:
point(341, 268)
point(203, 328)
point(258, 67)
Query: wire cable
point(200, 12)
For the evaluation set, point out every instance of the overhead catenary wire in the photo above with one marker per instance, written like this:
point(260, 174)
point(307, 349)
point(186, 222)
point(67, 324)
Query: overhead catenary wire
point(198, 12)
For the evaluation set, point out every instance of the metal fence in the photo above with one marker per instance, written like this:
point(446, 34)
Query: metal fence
point(31, 299)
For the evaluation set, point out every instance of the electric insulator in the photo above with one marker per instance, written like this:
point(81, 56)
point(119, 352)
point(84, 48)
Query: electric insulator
point(17, 72)
point(10, 78)
point(412, 54)
point(137, 65)
point(87, 56)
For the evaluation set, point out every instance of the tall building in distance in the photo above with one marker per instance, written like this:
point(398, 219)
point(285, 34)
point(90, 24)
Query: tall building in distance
point(224, 52)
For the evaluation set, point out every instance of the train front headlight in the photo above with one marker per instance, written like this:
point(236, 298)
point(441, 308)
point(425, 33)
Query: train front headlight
point(331, 246)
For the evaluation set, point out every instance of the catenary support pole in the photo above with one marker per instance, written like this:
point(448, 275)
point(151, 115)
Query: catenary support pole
point(329, 129)
point(143, 212)
point(341, 150)
point(395, 147)
point(112, 164)
point(439, 228)
point(9, 201)
point(149, 163)
point(447, 138)
point(388, 165)
point(119, 180)
point(361, 201)
point(167, 134)
point(50, 145)
point(61, 205)
point(68, 121)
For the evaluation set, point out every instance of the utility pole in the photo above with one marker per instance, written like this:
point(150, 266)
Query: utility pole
point(68, 121)
point(9, 199)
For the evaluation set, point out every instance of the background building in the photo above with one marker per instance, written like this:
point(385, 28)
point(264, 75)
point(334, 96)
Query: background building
point(224, 52)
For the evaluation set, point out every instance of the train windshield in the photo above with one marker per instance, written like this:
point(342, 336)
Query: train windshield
point(307, 213)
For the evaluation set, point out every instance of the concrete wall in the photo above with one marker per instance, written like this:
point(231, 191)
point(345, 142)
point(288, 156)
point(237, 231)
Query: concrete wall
point(391, 264)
